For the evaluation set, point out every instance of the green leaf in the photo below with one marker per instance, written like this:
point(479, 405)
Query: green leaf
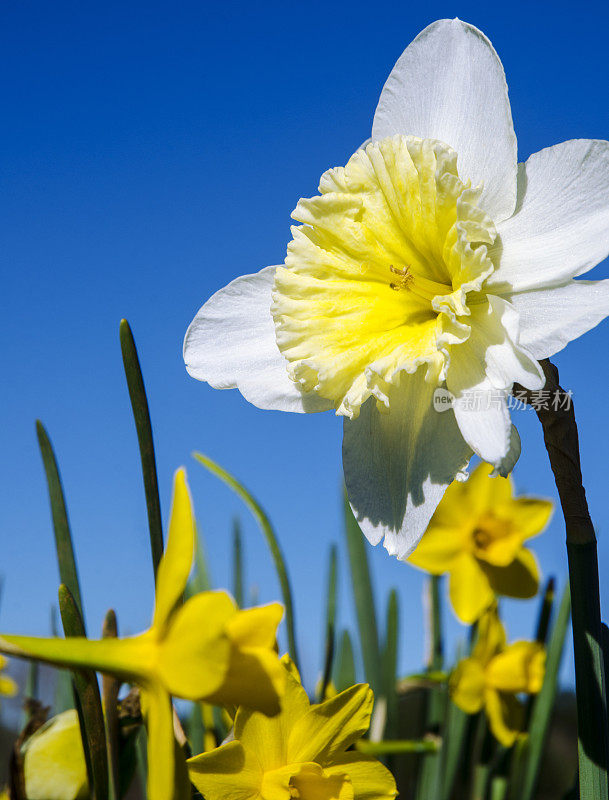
point(429, 775)
point(64, 693)
point(364, 601)
point(141, 415)
point(344, 664)
point(271, 540)
point(330, 624)
point(237, 563)
point(195, 728)
point(88, 703)
point(499, 788)
point(453, 741)
point(110, 691)
point(543, 705)
point(390, 663)
point(63, 539)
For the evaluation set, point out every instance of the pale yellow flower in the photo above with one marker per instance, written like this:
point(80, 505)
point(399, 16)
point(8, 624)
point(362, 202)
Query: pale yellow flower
point(477, 536)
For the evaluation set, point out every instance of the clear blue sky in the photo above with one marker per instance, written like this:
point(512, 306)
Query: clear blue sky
point(153, 152)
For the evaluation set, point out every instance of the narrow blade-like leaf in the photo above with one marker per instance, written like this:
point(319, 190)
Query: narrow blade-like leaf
point(330, 627)
point(68, 572)
point(544, 703)
point(141, 415)
point(237, 563)
point(88, 703)
point(361, 584)
point(271, 540)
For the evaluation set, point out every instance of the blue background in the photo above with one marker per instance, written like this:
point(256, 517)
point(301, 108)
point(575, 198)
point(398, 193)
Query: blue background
point(153, 152)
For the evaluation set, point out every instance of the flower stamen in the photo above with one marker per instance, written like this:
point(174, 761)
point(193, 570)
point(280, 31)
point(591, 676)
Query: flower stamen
point(406, 277)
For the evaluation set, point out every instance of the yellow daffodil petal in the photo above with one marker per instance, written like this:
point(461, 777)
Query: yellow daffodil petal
point(332, 726)
point(267, 737)
point(54, 761)
point(440, 546)
point(176, 563)
point(491, 636)
point(530, 515)
point(518, 579)
point(216, 653)
point(369, 778)
point(505, 715)
point(194, 655)
point(255, 627)
point(167, 773)
point(8, 687)
point(254, 678)
point(480, 492)
point(469, 589)
point(131, 658)
point(466, 685)
point(519, 668)
point(227, 773)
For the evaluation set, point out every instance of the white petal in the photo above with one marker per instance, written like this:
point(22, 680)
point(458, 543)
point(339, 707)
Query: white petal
point(484, 421)
point(551, 318)
point(449, 84)
point(493, 357)
point(398, 464)
point(231, 344)
point(480, 375)
point(561, 226)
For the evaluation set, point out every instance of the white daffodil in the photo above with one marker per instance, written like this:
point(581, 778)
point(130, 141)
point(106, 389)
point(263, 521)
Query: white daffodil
point(432, 260)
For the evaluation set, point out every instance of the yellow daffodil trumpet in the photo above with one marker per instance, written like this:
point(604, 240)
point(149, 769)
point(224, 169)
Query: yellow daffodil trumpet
point(204, 649)
point(477, 536)
point(301, 753)
point(494, 675)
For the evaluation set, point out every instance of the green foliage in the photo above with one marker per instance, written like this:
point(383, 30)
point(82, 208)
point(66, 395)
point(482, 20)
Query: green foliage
point(271, 540)
point(141, 416)
point(88, 703)
point(361, 585)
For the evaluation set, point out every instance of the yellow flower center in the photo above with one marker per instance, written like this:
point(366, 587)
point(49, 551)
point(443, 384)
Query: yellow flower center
point(378, 278)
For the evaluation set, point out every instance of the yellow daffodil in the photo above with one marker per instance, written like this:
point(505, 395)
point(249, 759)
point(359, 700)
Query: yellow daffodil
point(477, 536)
point(54, 761)
point(493, 676)
point(8, 687)
point(431, 261)
point(300, 753)
point(204, 649)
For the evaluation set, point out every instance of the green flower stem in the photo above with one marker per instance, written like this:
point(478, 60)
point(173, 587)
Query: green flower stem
point(397, 746)
point(561, 440)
